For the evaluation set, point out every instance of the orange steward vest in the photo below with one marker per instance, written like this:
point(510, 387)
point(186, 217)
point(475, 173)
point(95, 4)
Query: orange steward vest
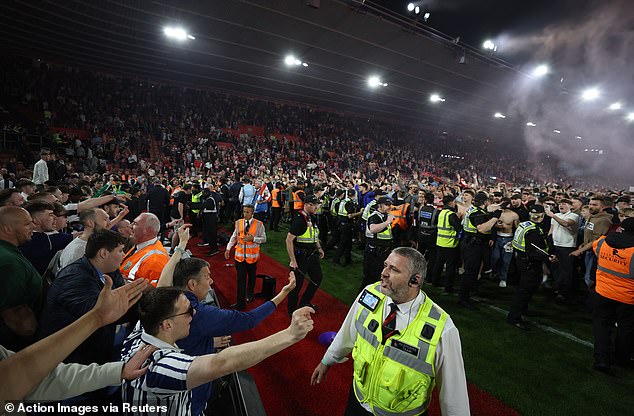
point(615, 272)
point(247, 251)
point(145, 264)
point(298, 204)
point(400, 216)
point(274, 202)
point(174, 192)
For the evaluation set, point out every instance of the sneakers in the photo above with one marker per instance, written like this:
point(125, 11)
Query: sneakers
point(502, 283)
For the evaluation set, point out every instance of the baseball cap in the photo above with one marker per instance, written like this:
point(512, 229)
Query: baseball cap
point(536, 209)
point(311, 199)
point(628, 225)
point(385, 200)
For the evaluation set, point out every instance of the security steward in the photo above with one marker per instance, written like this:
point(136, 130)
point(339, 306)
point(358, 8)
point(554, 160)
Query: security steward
point(402, 344)
point(369, 209)
point(148, 257)
point(531, 250)
point(277, 202)
point(614, 298)
point(425, 229)
point(378, 240)
point(210, 222)
point(304, 251)
point(334, 222)
point(194, 208)
point(449, 228)
point(345, 218)
point(477, 226)
point(298, 199)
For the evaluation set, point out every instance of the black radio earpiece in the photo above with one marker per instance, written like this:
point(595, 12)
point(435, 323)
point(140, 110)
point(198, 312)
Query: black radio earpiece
point(414, 280)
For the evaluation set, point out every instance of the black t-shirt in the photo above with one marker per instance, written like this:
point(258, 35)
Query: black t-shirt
point(480, 217)
point(299, 227)
point(521, 212)
point(179, 198)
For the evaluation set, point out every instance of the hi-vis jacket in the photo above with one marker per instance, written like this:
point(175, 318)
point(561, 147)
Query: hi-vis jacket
point(396, 376)
point(146, 263)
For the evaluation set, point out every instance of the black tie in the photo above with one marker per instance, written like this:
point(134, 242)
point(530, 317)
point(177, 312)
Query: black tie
point(246, 227)
point(389, 325)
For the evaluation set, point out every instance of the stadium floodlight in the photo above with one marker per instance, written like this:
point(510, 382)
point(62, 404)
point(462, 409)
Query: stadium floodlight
point(304, 64)
point(499, 115)
point(436, 98)
point(375, 82)
point(191, 37)
point(590, 94)
point(176, 33)
point(557, 131)
point(541, 70)
point(410, 7)
point(289, 60)
point(426, 16)
point(615, 106)
point(531, 124)
point(416, 10)
point(489, 45)
point(630, 117)
point(578, 137)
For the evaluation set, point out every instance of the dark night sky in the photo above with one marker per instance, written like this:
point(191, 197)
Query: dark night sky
point(476, 20)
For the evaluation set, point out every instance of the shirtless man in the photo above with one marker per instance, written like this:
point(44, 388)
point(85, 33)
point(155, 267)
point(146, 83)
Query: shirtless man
point(502, 252)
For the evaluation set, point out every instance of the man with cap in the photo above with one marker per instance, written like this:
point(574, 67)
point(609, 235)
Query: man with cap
point(477, 225)
point(345, 215)
point(531, 250)
point(449, 227)
point(614, 299)
point(304, 251)
point(378, 241)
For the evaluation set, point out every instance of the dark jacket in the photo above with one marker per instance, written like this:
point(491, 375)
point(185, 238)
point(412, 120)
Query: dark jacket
point(73, 293)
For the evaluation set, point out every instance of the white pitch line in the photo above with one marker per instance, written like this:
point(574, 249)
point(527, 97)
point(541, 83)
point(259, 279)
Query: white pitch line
point(550, 329)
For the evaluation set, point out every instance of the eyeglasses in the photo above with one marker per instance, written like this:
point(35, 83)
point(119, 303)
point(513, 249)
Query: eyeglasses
point(190, 311)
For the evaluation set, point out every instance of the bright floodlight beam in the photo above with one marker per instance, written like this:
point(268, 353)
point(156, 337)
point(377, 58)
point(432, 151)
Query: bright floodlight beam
point(177, 33)
point(436, 98)
point(410, 7)
point(541, 70)
point(489, 45)
point(630, 117)
point(590, 94)
point(416, 10)
point(531, 124)
point(499, 115)
point(374, 82)
point(289, 60)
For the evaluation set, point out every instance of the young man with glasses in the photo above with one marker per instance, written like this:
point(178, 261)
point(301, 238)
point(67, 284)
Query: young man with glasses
point(166, 389)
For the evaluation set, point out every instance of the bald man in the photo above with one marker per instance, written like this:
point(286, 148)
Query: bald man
point(21, 284)
point(148, 257)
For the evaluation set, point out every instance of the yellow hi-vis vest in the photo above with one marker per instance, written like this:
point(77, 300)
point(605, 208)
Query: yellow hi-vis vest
point(343, 212)
point(333, 206)
point(396, 378)
point(196, 198)
point(385, 235)
point(447, 235)
point(466, 222)
point(311, 235)
point(369, 209)
point(519, 239)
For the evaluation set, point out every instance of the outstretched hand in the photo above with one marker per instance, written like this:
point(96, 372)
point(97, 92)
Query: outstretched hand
point(301, 323)
point(113, 304)
point(291, 283)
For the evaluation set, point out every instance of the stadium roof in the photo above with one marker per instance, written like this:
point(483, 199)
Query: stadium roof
point(240, 46)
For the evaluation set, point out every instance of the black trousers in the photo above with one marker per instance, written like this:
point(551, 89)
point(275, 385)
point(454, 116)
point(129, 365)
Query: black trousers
point(473, 253)
point(210, 230)
point(335, 235)
point(308, 264)
point(245, 287)
point(563, 271)
point(450, 256)
point(276, 216)
point(605, 314)
point(260, 216)
point(345, 243)
point(530, 279)
point(373, 258)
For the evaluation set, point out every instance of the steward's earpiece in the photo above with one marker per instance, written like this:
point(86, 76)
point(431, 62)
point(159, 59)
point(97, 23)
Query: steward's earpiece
point(414, 280)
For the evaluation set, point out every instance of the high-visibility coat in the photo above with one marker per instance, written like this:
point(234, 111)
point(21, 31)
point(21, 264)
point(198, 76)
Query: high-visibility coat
point(447, 235)
point(173, 194)
point(274, 202)
point(248, 251)
point(147, 263)
point(396, 376)
point(400, 216)
point(615, 272)
point(298, 204)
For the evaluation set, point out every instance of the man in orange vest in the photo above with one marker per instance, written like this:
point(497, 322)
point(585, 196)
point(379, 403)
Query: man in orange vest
point(298, 199)
point(277, 202)
point(247, 236)
point(148, 257)
point(614, 298)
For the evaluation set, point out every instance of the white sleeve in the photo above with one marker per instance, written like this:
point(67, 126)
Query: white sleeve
point(450, 375)
point(343, 343)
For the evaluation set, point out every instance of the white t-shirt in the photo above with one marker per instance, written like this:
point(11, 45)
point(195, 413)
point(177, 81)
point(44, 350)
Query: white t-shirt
point(72, 252)
point(562, 236)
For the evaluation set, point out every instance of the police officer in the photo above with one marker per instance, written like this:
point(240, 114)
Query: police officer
point(194, 207)
point(304, 250)
point(477, 225)
point(334, 222)
point(425, 230)
point(369, 209)
point(345, 216)
point(378, 241)
point(210, 222)
point(449, 228)
point(531, 250)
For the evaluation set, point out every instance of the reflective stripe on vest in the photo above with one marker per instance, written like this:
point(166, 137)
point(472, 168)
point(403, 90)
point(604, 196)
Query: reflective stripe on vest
point(467, 225)
point(343, 212)
point(385, 235)
point(393, 381)
point(369, 209)
point(275, 203)
point(400, 216)
point(196, 198)
point(310, 236)
point(519, 239)
point(615, 272)
point(247, 251)
point(447, 235)
point(297, 201)
point(333, 206)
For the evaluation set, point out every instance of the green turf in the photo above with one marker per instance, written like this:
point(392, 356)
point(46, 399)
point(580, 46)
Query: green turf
point(536, 372)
